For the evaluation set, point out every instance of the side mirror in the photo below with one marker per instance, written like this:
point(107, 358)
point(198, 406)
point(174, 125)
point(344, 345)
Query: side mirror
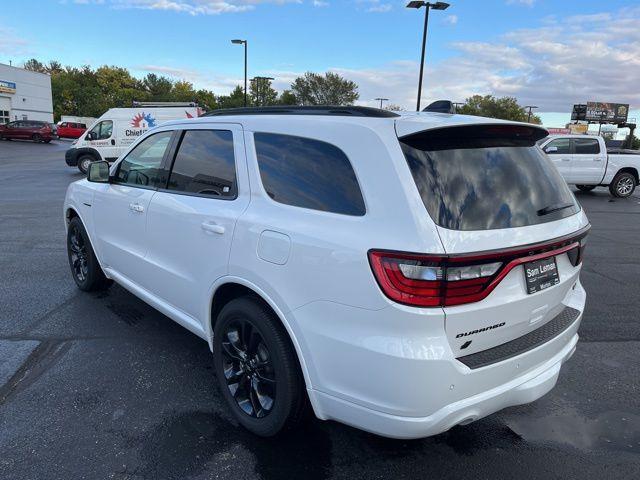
point(98, 172)
point(92, 136)
point(551, 150)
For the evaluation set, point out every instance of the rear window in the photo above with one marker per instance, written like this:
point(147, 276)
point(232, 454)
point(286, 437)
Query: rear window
point(486, 177)
point(308, 173)
point(586, 146)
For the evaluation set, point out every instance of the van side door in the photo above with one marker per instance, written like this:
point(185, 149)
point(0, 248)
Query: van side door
point(589, 160)
point(191, 221)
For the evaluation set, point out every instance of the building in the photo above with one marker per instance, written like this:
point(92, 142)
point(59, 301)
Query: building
point(24, 95)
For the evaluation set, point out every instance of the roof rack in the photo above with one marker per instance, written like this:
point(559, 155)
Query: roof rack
point(136, 104)
point(305, 110)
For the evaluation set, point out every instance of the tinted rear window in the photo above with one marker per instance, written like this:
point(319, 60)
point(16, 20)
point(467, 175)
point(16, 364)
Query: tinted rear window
point(308, 173)
point(586, 146)
point(484, 178)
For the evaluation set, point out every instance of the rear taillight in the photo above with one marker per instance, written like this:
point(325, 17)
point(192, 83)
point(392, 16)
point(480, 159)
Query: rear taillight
point(445, 280)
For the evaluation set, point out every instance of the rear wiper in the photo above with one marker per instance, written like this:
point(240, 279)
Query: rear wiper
point(553, 208)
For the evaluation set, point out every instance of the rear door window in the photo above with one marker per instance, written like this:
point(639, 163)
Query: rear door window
point(205, 164)
point(586, 146)
point(484, 178)
point(308, 173)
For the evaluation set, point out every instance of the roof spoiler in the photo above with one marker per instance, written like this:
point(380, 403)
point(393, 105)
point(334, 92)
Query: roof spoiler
point(441, 106)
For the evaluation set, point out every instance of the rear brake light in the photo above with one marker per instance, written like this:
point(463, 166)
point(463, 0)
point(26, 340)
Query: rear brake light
point(445, 280)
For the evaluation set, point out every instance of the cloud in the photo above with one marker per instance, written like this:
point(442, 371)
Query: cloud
point(554, 65)
point(562, 62)
point(190, 7)
point(12, 43)
point(528, 3)
point(320, 3)
point(451, 19)
point(381, 8)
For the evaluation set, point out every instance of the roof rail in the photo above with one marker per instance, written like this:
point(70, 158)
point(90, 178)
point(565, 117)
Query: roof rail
point(305, 110)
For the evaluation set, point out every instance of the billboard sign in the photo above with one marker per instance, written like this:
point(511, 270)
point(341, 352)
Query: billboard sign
point(7, 87)
point(607, 112)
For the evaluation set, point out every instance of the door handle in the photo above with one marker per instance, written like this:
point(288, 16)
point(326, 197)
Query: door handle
point(136, 207)
point(113, 142)
point(597, 159)
point(566, 159)
point(212, 227)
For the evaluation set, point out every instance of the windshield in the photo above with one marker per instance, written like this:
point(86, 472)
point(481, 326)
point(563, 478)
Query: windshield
point(484, 178)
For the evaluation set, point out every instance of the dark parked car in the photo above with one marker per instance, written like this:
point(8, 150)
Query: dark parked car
point(71, 129)
point(35, 130)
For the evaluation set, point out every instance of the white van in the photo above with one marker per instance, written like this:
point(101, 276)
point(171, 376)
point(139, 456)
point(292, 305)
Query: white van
point(115, 131)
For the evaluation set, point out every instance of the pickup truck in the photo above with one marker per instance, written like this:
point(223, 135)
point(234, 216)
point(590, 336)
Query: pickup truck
point(583, 161)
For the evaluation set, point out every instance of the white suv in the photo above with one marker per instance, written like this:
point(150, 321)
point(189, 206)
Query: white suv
point(399, 273)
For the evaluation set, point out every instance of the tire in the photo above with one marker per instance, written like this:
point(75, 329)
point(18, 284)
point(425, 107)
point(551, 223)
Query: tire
point(257, 368)
point(585, 188)
point(84, 161)
point(85, 269)
point(47, 141)
point(623, 185)
point(36, 137)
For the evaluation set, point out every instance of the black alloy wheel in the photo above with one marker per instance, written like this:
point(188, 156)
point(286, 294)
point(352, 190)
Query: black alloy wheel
point(257, 368)
point(78, 257)
point(36, 137)
point(248, 370)
point(85, 269)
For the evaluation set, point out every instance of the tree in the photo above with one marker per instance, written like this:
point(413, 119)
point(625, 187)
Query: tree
point(327, 89)
point(234, 100)
point(506, 108)
point(635, 142)
point(287, 98)
point(34, 65)
point(393, 107)
point(158, 88)
point(262, 93)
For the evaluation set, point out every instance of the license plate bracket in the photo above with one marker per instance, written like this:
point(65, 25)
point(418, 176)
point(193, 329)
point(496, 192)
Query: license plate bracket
point(541, 274)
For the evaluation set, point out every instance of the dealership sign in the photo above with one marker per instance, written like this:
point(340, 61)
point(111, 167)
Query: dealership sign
point(601, 112)
point(7, 87)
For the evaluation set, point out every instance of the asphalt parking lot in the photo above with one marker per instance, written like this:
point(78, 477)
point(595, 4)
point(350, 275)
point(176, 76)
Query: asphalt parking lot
point(99, 386)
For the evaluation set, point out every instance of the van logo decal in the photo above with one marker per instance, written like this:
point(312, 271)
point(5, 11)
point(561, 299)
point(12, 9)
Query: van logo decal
point(137, 120)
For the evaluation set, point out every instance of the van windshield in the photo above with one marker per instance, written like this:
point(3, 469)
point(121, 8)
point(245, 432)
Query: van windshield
point(486, 177)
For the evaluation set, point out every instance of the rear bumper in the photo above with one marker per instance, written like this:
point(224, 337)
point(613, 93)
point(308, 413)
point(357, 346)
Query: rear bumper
point(392, 371)
point(520, 390)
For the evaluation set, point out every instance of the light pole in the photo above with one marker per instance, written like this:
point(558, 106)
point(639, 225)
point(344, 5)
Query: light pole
point(243, 42)
point(427, 5)
point(530, 107)
point(382, 100)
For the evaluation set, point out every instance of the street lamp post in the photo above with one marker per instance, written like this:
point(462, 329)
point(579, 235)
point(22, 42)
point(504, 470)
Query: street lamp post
point(427, 5)
point(382, 100)
point(530, 107)
point(243, 42)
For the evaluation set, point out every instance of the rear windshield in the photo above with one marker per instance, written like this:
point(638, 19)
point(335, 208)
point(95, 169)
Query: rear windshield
point(486, 177)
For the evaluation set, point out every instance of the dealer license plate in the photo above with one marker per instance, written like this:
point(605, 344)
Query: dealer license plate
point(541, 274)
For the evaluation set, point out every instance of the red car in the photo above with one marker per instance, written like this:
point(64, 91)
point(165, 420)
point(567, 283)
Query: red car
point(71, 129)
point(28, 130)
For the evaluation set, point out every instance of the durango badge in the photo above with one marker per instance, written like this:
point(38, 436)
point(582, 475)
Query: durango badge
point(473, 332)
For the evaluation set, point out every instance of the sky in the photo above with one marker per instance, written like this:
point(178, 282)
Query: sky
point(548, 53)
